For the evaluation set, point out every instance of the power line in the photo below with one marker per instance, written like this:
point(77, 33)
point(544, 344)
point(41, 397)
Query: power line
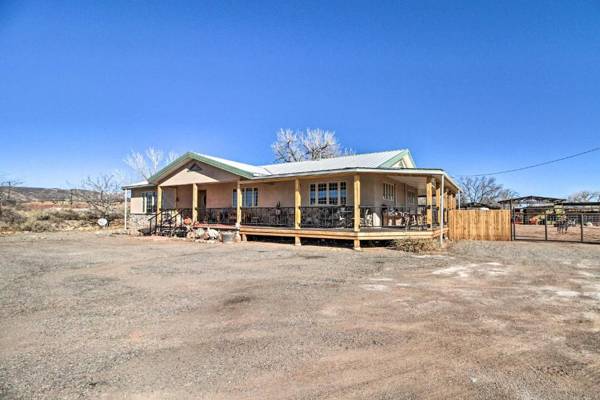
point(506, 171)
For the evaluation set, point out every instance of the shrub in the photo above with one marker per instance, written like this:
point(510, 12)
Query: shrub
point(37, 226)
point(68, 215)
point(416, 245)
point(11, 217)
point(42, 216)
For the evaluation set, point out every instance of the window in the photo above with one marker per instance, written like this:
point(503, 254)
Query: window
point(389, 191)
point(411, 198)
point(149, 202)
point(249, 197)
point(332, 193)
point(322, 193)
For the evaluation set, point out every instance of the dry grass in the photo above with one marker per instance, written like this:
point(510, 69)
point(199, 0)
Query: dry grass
point(33, 219)
point(416, 245)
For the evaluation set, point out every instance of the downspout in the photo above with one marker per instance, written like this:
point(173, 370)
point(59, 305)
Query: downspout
point(443, 214)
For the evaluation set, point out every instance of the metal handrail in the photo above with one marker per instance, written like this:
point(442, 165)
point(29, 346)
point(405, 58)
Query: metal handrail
point(268, 216)
point(327, 217)
point(222, 215)
point(407, 217)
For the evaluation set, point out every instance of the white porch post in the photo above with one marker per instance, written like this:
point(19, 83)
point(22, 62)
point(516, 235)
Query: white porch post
point(238, 208)
point(125, 209)
point(442, 213)
point(356, 227)
point(297, 212)
point(194, 202)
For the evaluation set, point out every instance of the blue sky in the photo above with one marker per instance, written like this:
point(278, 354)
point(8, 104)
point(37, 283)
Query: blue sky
point(471, 87)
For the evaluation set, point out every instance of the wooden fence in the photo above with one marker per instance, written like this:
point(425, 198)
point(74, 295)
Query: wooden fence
point(479, 225)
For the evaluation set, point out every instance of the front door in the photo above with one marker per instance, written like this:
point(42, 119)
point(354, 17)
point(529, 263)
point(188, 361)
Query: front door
point(202, 200)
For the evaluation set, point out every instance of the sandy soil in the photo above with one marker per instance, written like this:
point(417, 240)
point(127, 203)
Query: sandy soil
point(84, 316)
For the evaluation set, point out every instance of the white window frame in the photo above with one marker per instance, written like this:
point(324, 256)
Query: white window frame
point(253, 198)
point(411, 195)
point(145, 202)
point(389, 191)
point(313, 188)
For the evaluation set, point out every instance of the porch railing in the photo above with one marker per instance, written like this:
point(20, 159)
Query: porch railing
point(435, 216)
point(327, 217)
point(268, 216)
point(321, 217)
point(222, 216)
point(398, 217)
point(174, 216)
point(168, 220)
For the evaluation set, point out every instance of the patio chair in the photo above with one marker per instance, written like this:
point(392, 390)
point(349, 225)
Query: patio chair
point(367, 219)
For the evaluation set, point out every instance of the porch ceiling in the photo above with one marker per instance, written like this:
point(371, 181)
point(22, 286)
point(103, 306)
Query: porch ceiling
point(418, 182)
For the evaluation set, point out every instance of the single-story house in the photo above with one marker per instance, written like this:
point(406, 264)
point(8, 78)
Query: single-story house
point(358, 197)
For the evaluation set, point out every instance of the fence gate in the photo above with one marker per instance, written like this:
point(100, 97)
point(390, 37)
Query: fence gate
point(556, 225)
point(479, 225)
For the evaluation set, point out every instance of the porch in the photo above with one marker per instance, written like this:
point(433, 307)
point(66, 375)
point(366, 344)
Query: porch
point(353, 207)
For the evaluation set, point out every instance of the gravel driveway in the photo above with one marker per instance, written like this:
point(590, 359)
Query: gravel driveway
point(84, 316)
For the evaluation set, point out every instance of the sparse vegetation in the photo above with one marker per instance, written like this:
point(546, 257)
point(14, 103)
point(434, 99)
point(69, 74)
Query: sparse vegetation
point(102, 194)
point(416, 245)
point(28, 219)
point(45, 210)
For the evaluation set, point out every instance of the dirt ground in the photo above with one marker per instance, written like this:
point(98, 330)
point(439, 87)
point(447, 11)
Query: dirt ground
point(591, 234)
point(88, 316)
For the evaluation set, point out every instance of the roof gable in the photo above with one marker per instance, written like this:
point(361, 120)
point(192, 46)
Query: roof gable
point(226, 165)
point(384, 159)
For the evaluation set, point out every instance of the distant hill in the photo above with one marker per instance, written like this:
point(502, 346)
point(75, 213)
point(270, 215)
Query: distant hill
point(30, 194)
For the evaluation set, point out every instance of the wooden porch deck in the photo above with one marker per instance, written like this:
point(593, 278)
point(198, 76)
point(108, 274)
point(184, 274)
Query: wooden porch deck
point(342, 234)
point(385, 233)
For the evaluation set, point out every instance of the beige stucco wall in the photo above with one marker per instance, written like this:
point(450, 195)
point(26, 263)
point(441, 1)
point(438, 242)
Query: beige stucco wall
point(184, 196)
point(208, 174)
point(269, 194)
point(137, 201)
point(218, 195)
point(373, 191)
point(169, 196)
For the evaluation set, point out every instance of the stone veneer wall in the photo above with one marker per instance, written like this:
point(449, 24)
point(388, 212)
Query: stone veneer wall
point(136, 222)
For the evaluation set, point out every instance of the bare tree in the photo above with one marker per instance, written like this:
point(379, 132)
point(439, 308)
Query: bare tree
point(312, 144)
point(484, 189)
point(287, 146)
point(102, 194)
point(6, 189)
point(506, 193)
point(319, 144)
point(149, 162)
point(585, 196)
